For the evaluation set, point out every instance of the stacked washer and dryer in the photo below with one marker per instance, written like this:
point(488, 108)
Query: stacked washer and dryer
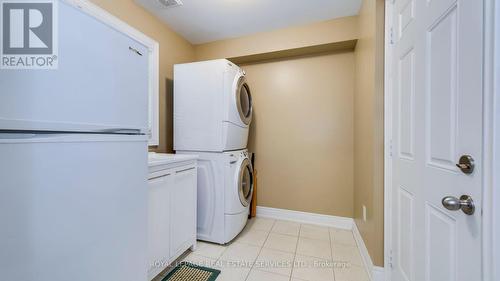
point(212, 115)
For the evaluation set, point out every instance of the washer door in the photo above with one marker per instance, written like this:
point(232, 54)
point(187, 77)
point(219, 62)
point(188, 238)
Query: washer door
point(245, 182)
point(244, 101)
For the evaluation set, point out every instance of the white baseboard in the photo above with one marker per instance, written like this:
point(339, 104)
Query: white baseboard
point(376, 273)
point(367, 260)
point(303, 217)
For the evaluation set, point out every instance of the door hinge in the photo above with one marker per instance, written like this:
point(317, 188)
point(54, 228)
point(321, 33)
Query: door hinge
point(391, 36)
point(390, 260)
point(390, 148)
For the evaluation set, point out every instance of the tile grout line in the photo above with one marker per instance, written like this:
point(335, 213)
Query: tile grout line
point(331, 251)
point(295, 254)
point(260, 250)
point(221, 254)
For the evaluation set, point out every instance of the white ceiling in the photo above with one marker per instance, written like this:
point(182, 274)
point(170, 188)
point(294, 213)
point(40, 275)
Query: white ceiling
point(201, 21)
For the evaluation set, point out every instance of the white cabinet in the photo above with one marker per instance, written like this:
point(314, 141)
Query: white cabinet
point(172, 210)
point(159, 221)
point(183, 210)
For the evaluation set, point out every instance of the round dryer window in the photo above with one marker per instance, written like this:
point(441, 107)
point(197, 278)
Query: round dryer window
point(244, 101)
point(245, 185)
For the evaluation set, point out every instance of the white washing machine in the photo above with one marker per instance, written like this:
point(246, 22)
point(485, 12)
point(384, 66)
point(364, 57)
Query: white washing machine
point(225, 188)
point(212, 106)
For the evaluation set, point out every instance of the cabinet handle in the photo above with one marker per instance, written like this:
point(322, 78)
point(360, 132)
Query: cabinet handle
point(157, 177)
point(185, 170)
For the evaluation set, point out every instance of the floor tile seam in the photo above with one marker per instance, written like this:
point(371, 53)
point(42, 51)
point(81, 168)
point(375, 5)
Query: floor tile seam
point(260, 250)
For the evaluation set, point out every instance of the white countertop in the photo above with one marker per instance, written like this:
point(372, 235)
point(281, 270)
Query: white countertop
point(155, 159)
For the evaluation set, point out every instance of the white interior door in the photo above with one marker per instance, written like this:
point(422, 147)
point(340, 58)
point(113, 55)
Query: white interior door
point(437, 99)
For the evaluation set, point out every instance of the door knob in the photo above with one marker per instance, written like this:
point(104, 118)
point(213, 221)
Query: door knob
point(465, 203)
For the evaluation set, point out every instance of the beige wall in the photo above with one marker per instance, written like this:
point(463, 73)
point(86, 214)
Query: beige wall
point(302, 132)
point(327, 32)
point(368, 128)
point(173, 49)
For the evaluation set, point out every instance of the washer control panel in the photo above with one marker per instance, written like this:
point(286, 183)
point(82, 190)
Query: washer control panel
point(238, 155)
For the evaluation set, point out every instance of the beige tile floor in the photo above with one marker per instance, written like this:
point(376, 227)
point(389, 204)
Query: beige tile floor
point(273, 250)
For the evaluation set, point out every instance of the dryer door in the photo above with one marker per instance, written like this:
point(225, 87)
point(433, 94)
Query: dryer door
point(245, 182)
point(244, 101)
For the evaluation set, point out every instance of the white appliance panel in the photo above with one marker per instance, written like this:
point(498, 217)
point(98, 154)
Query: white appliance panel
point(75, 201)
point(234, 136)
point(210, 207)
point(234, 224)
point(205, 110)
point(198, 106)
point(220, 214)
point(101, 82)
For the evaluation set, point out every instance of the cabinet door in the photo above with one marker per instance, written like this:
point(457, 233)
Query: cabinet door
point(159, 223)
point(183, 210)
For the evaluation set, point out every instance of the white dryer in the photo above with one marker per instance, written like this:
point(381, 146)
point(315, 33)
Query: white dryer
point(225, 188)
point(212, 106)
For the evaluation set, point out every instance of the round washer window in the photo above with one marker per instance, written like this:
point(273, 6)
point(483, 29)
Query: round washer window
point(246, 183)
point(245, 100)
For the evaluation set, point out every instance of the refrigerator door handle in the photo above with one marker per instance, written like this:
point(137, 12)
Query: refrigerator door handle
point(34, 133)
point(121, 131)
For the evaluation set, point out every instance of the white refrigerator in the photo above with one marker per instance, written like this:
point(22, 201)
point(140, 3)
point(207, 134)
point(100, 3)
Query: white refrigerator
point(73, 159)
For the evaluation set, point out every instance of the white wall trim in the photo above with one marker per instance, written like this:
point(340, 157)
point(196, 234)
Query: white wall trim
point(378, 274)
point(491, 228)
point(363, 250)
point(303, 217)
point(154, 58)
point(494, 271)
point(388, 126)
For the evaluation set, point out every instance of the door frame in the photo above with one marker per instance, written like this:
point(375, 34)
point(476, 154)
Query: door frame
point(491, 140)
point(388, 121)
